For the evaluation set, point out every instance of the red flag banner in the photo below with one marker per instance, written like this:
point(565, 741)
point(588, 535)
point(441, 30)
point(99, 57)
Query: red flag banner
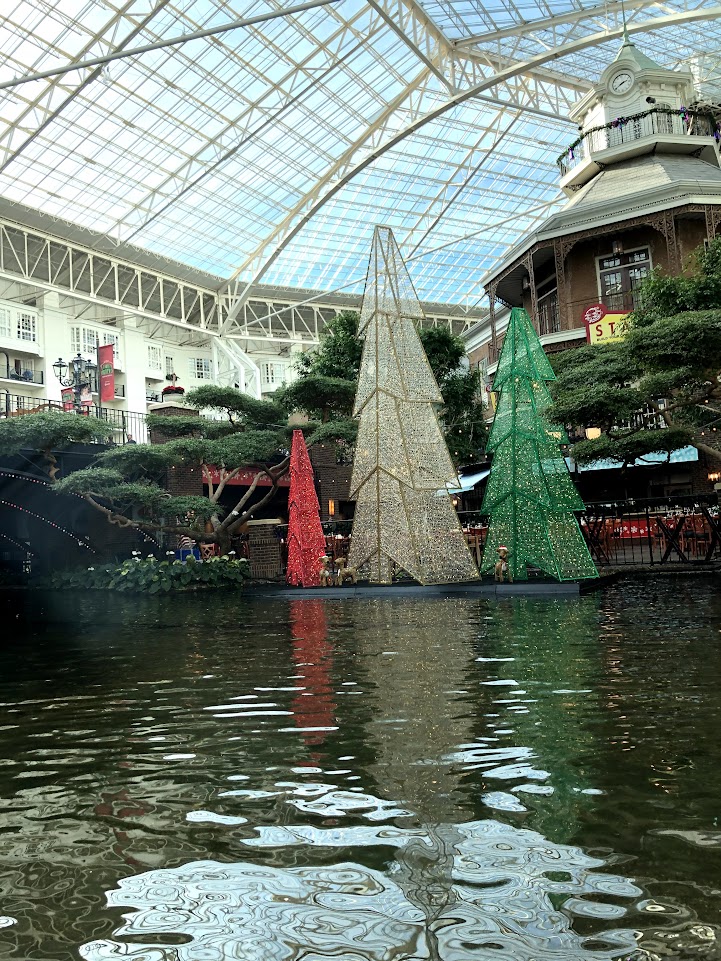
point(68, 397)
point(106, 370)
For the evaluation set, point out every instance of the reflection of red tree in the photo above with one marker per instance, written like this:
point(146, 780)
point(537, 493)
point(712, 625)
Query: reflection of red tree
point(314, 657)
point(119, 806)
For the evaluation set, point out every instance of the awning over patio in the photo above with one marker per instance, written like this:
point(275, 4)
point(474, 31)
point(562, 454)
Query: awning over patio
point(467, 483)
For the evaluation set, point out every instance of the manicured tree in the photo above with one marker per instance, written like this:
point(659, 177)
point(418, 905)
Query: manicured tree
point(403, 515)
point(49, 432)
point(127, 484)
point(530, 497)
point(659, 388)
point(306, 542)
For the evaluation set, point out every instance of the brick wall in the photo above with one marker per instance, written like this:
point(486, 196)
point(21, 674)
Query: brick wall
point(179, 480)
point(264, 552)
point(332, 480)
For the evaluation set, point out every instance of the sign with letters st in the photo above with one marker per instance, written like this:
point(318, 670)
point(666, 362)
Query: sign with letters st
point(602, 325)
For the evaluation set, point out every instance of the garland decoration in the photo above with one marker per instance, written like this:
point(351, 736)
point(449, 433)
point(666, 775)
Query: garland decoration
point(620, 122)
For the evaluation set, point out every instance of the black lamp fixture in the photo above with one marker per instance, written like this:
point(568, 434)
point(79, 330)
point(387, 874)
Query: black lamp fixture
point(650, 100)
point(78, 374)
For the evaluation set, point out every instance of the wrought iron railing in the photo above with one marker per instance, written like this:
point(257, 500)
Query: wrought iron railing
point(658, 121)
point(127, 425)
point(650, 532)
point(24, 375)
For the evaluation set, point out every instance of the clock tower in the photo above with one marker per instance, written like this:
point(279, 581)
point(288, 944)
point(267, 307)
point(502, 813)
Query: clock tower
point(637, 107)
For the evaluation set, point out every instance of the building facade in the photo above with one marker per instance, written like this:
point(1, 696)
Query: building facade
point(643, 187)
point(65, 290)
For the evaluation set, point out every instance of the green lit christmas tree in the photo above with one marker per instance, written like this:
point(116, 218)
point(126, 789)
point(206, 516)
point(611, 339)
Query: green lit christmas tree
point(530, 499)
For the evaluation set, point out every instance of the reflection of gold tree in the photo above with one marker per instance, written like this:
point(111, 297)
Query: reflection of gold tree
point(418, 715)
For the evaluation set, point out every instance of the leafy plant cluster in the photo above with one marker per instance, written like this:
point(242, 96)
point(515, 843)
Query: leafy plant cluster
point(659, 388)
point(151, 576)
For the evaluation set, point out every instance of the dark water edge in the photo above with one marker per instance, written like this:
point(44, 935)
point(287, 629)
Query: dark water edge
point(524, 778)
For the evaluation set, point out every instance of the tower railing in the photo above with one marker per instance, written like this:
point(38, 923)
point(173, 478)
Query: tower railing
point(656, 122)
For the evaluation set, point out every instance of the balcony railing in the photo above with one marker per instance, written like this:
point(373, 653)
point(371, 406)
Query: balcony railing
point(549, 317)
point(624, 130)
point(125, 424)
point(26, 375)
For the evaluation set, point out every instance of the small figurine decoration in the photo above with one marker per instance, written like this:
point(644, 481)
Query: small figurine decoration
point(502, 570)
point(345, 573)
point(326, 576)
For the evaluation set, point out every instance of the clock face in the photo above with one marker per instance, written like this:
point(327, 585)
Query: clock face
point(622, 82)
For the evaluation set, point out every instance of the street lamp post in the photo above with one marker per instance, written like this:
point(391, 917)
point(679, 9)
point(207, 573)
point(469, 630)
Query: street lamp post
point(77, 374)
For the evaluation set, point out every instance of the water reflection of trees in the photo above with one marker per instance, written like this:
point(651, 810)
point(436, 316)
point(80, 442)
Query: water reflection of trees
point(498, 900)
point(547, 646)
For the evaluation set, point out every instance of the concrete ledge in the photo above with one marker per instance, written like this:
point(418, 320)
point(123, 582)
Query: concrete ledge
point(417, 591)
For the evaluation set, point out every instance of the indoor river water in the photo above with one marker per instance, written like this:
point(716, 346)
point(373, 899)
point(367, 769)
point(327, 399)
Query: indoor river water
point(212, 778)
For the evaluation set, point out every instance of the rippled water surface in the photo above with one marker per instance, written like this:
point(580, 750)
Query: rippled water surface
point(208, 779)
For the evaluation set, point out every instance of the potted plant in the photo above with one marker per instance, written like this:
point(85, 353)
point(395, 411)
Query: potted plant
point(173, 388)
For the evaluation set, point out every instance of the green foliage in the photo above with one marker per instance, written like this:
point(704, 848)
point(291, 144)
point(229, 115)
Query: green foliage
point(339, 353)
point(170, 427)
point(53, 430)
point(691, 341)
point(663, 296)
point(630, 446)
point(463, 417)
point(241, 409)
point(150, 576)
point(669, 361)
point(343, 430)
point(98, 480)
point(444, 352)
point(319, 396)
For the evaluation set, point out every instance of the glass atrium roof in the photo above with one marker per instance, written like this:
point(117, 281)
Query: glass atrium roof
point(269, 152)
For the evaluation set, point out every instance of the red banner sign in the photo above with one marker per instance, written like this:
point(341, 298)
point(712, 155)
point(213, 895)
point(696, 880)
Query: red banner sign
point(68, 398)
point(246, 477)
point(106, 372)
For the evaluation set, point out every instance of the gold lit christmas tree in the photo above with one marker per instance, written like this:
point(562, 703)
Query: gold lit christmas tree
point(401, 460)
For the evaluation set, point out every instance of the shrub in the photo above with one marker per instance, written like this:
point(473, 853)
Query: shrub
point(151, 576)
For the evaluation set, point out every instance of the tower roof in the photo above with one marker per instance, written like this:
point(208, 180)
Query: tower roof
point(629, 53)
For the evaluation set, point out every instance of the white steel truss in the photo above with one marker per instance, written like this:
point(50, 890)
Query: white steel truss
point(383, 134)
point(39, 261)
point(268, 151)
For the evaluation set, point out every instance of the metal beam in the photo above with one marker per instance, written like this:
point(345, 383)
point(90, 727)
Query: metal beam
point(252, 121)
point(549, 23)
point(160, 44)
point(380, 137)
point(411, 44)
point(47, 94)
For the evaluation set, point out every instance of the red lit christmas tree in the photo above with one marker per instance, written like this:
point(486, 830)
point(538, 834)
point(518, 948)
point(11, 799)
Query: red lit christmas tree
point(306, 542)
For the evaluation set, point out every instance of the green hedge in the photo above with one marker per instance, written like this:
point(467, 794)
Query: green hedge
point(151, 576)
